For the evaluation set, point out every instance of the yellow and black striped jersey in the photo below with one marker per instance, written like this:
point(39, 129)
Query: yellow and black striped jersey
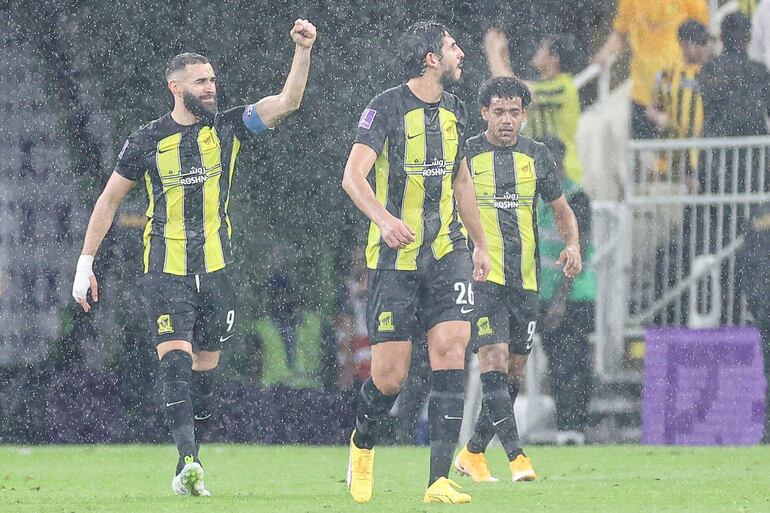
point(187, 173)
point(419, 148)
point(555, 111)
point(677, 93)
point(508, 182)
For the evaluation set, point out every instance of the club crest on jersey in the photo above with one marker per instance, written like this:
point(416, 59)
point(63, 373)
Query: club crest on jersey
point(525, 171)
point(164, 325)
point(484, 327)
point(367, 118)
point(385, 322)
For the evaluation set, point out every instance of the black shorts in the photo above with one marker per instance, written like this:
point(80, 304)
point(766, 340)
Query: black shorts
point(504, 314)
point(198, 308)
point(403, 303)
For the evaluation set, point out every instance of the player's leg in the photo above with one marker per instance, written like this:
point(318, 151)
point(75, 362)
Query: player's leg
point(520, 465)
point(446, 304)
point(523, 308)
point(215, 329)
point(204, 378)
point(489, 339)
point(446, 350)
point(172, 312)
point(390, 321)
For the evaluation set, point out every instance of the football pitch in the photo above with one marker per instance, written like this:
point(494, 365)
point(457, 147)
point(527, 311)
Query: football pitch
point(277, 479)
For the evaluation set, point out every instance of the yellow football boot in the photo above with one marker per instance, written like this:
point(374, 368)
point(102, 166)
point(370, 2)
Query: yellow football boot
point(522, 470)
point(474, 466)
point(360, 472)
point(443, 492)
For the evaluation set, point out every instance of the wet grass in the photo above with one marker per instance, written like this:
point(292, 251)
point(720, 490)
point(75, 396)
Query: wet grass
point(245, 478)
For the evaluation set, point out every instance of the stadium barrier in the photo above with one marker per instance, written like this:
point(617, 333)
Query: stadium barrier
point(667, 251)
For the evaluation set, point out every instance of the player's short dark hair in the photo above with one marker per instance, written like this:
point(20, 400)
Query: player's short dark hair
point(736, 32)
point(504, 87)
point(564, 46)
point(693, 31)
point(182, 60)
point(419, 40)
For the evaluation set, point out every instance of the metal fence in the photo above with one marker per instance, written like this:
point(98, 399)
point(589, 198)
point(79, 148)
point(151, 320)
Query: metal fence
point(667, 251)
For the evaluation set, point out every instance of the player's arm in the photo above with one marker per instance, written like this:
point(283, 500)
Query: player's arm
point(567, 223)
point(656, 110)
point(616, 43)
point(101, 219)
point(498, 56)
point(272, 109)
point(395, 232)
point(465, 194)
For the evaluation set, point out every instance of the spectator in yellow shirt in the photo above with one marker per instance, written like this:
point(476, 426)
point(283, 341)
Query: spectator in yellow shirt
point(555, 107)
point(649, 28)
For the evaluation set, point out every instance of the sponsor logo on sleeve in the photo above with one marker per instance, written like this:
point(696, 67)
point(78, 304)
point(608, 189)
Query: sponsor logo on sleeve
point(367, 118)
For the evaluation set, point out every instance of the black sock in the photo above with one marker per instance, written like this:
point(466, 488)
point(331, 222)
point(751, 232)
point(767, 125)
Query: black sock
point(176, 373)
point(372, 406)
point(445, 416)
point(483, 431)
point(499, 403)
point(203, 407)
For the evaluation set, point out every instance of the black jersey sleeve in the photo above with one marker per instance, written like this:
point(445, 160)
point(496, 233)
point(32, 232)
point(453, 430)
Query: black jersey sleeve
point(244, 120)
point(130, 162)
point(548, 184)
point(373, 124)
point(462, 125)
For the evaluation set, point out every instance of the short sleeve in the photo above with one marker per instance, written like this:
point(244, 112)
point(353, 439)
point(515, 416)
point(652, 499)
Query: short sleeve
point(623, 17)
point(548, 184)
point(130, 164)
point(373, 125)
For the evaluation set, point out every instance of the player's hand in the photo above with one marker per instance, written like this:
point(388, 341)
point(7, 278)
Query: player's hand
point(495, 41)
point(481, 264)
point(396, 233)
point(84, 280)
point(571, 260)
point(303, 33)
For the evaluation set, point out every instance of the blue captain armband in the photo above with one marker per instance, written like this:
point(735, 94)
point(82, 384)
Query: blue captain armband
point(252, 120)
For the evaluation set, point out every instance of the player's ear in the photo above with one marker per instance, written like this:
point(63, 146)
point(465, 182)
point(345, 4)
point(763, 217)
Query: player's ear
point(175, 88)
point(485, 113)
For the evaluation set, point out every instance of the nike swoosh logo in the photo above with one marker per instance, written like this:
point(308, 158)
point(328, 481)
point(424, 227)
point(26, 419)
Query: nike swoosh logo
point(224, 339)
point(412, 136)
point(172, 404)
point(164, 151)
point(195, 417)
point(465, 311)
point(447, 417)
point(499, 421)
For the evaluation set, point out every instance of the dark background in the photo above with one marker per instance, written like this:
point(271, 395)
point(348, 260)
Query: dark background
point(102, 62)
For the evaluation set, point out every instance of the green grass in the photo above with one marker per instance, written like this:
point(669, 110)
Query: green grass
point(247, 478)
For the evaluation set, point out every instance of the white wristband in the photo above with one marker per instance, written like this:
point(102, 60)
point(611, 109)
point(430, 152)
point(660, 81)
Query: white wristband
point(85, 263)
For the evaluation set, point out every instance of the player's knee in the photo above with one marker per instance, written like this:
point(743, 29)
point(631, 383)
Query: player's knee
point(493, 358)
point(389, 381)
point(449, 354)
point(205, 360)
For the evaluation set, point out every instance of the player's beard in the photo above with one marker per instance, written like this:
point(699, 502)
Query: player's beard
point(197, 107)
point(448, 78)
